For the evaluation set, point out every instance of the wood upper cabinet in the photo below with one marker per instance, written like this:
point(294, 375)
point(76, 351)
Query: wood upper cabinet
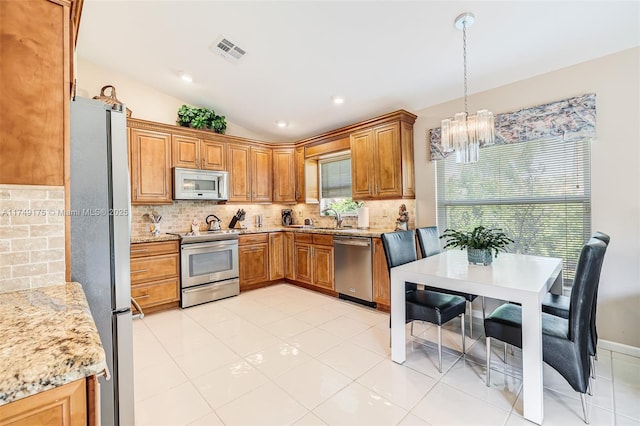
point(185, 151)
point(387, 161)
point(195, 153)
point(276, 256)
point(382, 162)
point(284, 187)
point(289, 254)
point(381, 290)
point(35, 85)
point(66, 405)
point(261, 174)
point(299, 174)
point(150, 164)
point(361, 164)
point(250, 172)
point(239, 173)
point(376, 162)
point(214, 155)
point(253, 258)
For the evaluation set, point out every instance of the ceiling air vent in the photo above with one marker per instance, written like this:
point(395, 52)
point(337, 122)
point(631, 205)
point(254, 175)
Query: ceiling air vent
point(227, 49)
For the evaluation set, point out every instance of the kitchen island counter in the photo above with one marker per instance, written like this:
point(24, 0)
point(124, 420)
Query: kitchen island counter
point(47, 339)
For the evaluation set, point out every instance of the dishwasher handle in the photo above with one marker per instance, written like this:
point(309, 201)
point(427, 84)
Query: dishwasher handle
point(360, 242)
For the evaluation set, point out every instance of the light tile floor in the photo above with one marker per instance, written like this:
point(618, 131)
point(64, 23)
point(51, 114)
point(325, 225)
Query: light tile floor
point(286, 355)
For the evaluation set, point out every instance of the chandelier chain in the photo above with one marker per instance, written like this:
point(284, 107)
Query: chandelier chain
point(464, 56)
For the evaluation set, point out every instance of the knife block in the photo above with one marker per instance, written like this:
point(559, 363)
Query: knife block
point(235, 223)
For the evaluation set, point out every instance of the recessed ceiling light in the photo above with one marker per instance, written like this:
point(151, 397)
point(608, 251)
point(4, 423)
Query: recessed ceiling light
point(338, 100)
point(185, 77)
point(282, 124)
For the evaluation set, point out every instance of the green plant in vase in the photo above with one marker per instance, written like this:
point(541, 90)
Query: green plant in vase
point(481, 243)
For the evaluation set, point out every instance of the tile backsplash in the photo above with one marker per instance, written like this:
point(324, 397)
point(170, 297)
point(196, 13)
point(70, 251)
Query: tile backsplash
point(32, 237)
point(177, 217)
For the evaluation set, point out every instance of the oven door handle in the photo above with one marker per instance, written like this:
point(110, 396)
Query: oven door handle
point(212, 244)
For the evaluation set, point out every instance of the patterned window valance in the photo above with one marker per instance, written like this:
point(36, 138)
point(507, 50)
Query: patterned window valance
point(568, 119)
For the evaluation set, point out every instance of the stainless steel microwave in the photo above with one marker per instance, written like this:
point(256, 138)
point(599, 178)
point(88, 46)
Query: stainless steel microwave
point(195, 184)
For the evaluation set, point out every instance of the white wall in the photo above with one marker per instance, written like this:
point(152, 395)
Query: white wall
point(615, 170)
point(146, 102)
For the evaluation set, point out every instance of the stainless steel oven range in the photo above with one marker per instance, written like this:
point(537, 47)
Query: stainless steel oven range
point(209, 267)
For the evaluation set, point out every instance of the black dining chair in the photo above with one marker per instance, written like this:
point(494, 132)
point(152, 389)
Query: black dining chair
point(422, 305)
point(558, 305)
point(429, 243)
point(565, 341)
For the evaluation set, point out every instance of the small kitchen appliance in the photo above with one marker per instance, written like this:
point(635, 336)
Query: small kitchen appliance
point(214, 224)
point(193, 184)
point(287, 217)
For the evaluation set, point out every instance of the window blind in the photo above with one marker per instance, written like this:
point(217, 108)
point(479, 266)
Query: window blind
point(538, 192)
point(335, 178)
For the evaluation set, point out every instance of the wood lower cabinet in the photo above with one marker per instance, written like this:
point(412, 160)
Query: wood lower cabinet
point(276, 256)
point(150, 166)
point(302, 262)
point(284, 182)
point(66, 405)
point(381, 289)
point(289, 256)
point(155, 275)
point(253, 257)
point(313, 259)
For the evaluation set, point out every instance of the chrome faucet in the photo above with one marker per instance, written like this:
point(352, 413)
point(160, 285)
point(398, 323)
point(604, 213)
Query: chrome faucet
point(337, 215)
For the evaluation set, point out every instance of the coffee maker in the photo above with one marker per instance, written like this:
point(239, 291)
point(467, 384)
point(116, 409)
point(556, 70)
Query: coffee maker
point(287, 217)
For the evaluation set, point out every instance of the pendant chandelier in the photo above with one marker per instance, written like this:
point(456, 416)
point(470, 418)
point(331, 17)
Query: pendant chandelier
point(465, 133)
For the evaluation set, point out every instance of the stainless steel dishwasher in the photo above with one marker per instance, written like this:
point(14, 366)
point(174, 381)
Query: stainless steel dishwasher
point(353, 269)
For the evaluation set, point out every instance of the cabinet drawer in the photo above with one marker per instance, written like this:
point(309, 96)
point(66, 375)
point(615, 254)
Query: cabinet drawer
point(152, 249)
point(253, 239)
point(322, 239)
point(156, 293)
point(302, 238)
point(154, 268)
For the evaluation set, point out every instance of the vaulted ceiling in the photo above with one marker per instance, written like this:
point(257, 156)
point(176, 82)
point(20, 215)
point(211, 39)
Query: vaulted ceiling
point(380, 55)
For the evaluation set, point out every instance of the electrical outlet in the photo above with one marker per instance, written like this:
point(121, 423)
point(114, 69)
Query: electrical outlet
point(385, 213)
point(299, 212)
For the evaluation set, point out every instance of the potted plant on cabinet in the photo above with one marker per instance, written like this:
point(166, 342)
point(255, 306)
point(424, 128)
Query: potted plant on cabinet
point(201, 118)
point(481, 243)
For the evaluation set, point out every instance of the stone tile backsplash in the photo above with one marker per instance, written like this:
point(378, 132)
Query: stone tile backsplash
point(177, 217)
point(31, 237)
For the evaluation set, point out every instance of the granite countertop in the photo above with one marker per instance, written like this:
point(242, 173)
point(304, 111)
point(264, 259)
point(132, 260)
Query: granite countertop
point(356, 232)
point(152, 239)
point(47, 339)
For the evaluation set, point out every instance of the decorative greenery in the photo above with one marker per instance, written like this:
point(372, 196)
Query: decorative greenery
point(201, 118)
point(346, 205)
point(493, 240)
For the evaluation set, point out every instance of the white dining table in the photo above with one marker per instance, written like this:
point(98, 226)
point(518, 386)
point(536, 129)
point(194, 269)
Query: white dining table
point(514, 277)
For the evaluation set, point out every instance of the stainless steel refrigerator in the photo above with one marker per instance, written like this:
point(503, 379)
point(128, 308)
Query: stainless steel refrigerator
point(100, 238)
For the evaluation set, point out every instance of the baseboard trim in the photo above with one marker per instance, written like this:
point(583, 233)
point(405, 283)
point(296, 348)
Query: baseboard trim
point(619, 347)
